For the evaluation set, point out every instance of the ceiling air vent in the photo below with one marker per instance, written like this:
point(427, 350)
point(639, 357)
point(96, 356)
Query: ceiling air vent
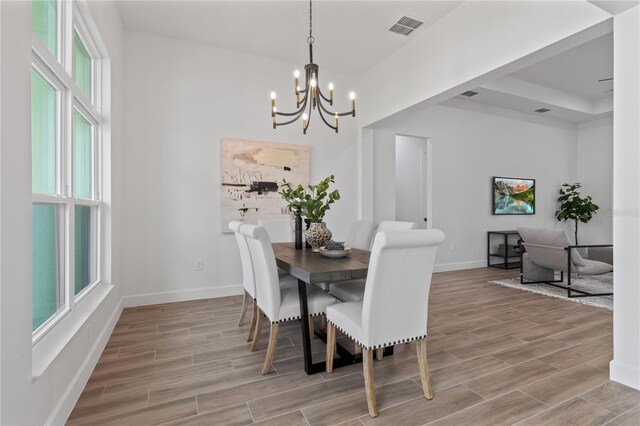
point(405, 26)
point(469, 93)
point(541, 110)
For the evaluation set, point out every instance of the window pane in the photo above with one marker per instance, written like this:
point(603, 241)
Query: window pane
point(82, 156)
point(85, 247)
point(44, 22)
point(47, 292)
point(43, 134)
point(81, 66)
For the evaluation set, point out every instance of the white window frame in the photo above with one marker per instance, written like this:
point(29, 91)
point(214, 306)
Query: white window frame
point(58, 71)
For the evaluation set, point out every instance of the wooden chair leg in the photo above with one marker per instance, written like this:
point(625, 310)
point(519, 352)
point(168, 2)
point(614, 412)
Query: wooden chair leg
point(324, 322)
point(256, 335)
point(254, 318)
point(243, 311)
point(271, 349)
point(379, 354)
point(421, 346)
point(367, 359)
point(331, 346)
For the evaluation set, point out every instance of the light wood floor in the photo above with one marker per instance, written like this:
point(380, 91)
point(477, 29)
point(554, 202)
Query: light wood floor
point(497, 356)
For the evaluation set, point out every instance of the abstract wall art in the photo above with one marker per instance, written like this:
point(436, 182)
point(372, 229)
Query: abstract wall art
point(252, 172)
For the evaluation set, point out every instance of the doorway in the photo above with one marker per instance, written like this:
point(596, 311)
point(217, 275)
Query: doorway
point(413, 180)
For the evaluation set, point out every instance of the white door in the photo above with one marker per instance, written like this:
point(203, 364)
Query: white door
point(413, 180)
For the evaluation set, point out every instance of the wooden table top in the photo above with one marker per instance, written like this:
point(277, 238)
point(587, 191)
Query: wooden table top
point(314, 268)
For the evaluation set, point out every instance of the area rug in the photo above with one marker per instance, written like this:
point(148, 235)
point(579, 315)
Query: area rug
point(591, 283)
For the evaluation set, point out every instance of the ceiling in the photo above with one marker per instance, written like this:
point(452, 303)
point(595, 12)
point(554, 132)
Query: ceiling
point(351, 36)
point(576, 71)
point(566, 84)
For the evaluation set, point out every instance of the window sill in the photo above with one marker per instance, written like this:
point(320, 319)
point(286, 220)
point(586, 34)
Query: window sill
point(47, 349)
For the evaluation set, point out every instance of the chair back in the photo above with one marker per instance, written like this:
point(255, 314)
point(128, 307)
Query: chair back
point(361, 234)
point(396, 295)
point(265, 269)
point(248, 278)
point(280, 230)
point(546, 247)
point(394, 225)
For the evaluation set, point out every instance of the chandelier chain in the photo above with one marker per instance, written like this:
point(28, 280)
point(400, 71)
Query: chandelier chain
point(310, 40)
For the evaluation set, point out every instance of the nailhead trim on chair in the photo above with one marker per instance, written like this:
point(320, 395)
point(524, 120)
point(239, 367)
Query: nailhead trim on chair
point(384, 345)
point(295, 318)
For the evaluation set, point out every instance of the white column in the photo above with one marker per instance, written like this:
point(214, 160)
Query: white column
point(625, 367)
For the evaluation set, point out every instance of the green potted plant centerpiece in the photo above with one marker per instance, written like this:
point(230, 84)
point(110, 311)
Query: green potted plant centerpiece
point(573, 207)
point(312, 203)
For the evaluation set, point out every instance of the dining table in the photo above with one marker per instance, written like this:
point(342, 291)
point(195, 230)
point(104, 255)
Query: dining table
point(311, 268)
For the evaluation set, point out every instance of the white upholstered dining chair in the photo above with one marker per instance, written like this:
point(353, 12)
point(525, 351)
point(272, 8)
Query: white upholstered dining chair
point(359, 237)
point(361, 234)
point(280, 230)
point(279, 303)
point(353, 290)
point(395, 305)
point(248, 279)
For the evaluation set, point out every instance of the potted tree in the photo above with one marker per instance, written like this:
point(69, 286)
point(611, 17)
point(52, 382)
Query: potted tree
point(573, 207)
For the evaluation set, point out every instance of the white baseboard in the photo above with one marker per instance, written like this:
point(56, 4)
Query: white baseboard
point(457, 266)
point(181, 295)
point(625, 374)
point(67, 401)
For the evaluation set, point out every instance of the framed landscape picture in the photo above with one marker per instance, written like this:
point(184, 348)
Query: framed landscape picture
point(513, 196)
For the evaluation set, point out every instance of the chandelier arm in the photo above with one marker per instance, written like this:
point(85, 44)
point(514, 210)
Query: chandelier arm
point(325, 120)
point(324, 97)
point(306, 126)
point(289, 114)
point(304, 99)
point(340, 114)
point(298, 114)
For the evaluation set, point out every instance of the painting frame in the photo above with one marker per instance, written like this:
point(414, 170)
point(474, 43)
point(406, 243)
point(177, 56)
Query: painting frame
point(532, 187)
point(251, 172)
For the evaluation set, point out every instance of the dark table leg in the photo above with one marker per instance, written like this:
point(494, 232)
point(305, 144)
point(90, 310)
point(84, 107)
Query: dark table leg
point(309, 366)
point(345, 357)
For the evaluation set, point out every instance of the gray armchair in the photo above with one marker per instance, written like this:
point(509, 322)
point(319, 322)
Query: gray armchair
point(547, 251)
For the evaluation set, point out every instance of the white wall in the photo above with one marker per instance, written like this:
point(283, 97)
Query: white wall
point(469, 148)
point(48, 397)
point(625, 367)
point(595, 173)
point(181, 99)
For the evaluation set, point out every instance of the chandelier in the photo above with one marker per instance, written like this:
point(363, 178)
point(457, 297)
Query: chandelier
point(311, 97)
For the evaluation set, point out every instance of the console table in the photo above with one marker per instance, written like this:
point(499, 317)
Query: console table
point(508, 238)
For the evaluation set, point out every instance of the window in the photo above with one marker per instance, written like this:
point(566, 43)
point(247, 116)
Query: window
point(44, 21)
point(81, 66)
point(66, 126)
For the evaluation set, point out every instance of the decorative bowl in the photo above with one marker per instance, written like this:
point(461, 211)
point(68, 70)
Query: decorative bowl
point(335, 254)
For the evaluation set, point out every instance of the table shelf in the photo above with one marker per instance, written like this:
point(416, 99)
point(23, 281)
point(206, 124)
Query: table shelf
point(505, 257)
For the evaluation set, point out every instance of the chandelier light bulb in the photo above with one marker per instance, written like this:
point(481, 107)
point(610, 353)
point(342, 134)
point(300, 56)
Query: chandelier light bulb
point(296, 73)
point(330, 86)
point(273, 95)
point(314, 82)
point(305, 116)
point(352, 95)
point(275, 109)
